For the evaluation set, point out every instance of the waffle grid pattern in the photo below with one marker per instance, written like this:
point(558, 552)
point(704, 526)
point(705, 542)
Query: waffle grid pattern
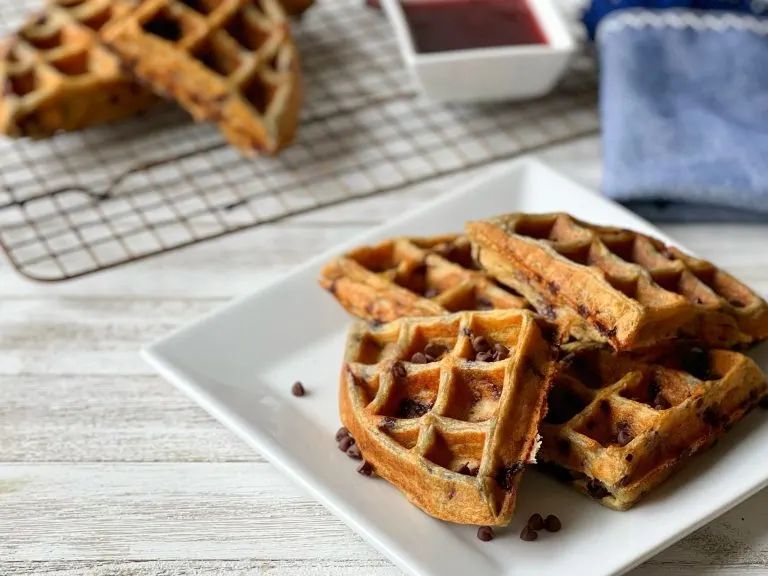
point(228, 61)
point(86, 201)
point(414, 277)
point(56, 74)
point(617, 426)
point(630, 289)
point(451, 432)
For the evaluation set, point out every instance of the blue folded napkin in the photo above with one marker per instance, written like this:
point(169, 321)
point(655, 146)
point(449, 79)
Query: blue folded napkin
point(684, 106)
point(598, 9)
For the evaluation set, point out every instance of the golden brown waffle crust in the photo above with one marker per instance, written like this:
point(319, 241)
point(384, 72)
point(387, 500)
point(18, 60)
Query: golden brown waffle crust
point(377, 283)
point(219, 92)
point(604, 283)
point(56, 75)
point(405, 451)
point(696, 414)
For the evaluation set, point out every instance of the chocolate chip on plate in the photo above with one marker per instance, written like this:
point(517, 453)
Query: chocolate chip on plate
point(298, 389)
point(528, 535)
point(536, 522)
point(485, 533)
point(354, 452)
point(345, 443)
point(552, 523)
point(342, 432)
point(365, 468)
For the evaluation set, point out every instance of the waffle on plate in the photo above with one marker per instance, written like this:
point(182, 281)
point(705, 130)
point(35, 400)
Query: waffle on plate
point(413, 277)
point(617, 426)
point(447, 408)
point(232, 62)
point(56, 75)
point(618, 286)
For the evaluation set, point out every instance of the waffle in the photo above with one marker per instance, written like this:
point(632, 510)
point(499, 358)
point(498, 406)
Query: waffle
point(232, 62)
point(413, 277)
point(450, 422)
point(617, 426)
point(618, 286)
point(56, 75)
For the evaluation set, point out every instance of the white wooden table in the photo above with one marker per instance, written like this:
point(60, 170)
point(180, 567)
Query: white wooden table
point(107, 469)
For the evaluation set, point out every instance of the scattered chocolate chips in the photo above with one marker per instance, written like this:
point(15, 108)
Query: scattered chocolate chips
point(410, 408)
point(342, 432)
point(345, 443)
point(552, 523)
point(365, 468)
point(481, 344)
point(597, 489)
point(419, 358)
point(535, 522)
point(485, 533)
point(528, 535)
point(398, 371)
point(435, 350)
point(354, 452)
point(623, 434)
point(298, 389)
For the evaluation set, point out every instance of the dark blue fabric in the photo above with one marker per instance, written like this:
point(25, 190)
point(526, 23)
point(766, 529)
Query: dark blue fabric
point(685, 118)
point(598, 9)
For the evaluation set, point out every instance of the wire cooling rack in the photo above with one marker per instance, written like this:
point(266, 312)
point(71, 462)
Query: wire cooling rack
point(83, 202)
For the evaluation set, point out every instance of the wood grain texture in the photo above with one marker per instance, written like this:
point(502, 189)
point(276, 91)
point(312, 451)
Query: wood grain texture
point(105, 469)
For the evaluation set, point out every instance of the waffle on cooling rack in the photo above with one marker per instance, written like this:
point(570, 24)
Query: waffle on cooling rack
point(447, 408)
point(413, 277)
point(618, 286)
point(232, 62)
point(55, 74)
point(616, 427)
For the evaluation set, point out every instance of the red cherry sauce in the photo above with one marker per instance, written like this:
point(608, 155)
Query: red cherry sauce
point(442, 25)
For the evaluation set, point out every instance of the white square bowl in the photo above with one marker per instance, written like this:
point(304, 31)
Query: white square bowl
point(513, 72)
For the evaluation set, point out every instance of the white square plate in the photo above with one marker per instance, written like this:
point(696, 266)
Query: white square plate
point(240, 362)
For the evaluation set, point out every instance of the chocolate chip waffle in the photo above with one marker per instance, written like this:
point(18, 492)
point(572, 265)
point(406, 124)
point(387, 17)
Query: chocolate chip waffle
point(232, 62)
point(413, 277)
point(618, 286)
point(56, 75)
point(447, 408)
point(616, 426)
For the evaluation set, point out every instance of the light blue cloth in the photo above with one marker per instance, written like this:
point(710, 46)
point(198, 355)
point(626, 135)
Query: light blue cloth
point(684, 105)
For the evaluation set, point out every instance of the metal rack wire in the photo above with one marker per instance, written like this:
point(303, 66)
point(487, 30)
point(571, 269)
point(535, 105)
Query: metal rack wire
point(83, 202)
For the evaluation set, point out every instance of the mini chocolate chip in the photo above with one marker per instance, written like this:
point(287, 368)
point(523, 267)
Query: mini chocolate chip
point(485, 533)
point(486, 356)
point(552, 523)
point(597, 489)
point(536, 522)
point(345, 443)
point(435, 349)
point(410, 408)
point(342, 432)
point(629, 457)
point(365, 469)
point(398, 371)
point(553, 287)
point(623, 434)
point(354, 452)
point(696, 362)
point(502, 351)
point(528, 535)
point(763, 403)
point(505, 475)
point(582, 310)
point(419, 358)
point(481, 344)
point(466, 470)
point(298, 389)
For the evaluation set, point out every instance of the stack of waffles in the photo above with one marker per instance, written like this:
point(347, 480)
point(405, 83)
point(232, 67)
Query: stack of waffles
point(80, 63)
point(601, 354)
